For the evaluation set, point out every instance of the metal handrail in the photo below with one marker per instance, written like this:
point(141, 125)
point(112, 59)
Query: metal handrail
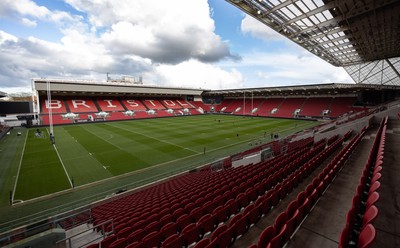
point(102, 225)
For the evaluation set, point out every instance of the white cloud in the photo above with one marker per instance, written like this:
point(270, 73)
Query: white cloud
point(120, 37)
point(259, 30)
point(193, 73)
point(4, 37)
point(172, 43)
point(29, 23)
point(27, 8)
point(163, 31)
point(288, 68)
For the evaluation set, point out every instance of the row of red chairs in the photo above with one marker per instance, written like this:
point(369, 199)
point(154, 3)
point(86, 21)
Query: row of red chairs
point(165, 195)
point(241, 198)
point(359, 230)
point(226, 234)
point(285, 224)
point(241, 223)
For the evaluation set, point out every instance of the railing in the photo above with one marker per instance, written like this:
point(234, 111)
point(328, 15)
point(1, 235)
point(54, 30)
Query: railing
point(67, 242)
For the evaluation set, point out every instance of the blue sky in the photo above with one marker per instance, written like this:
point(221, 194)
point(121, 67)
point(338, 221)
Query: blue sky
point(197, 43)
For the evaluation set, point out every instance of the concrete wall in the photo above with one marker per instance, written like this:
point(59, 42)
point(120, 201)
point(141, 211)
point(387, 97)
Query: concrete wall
point(46, 239)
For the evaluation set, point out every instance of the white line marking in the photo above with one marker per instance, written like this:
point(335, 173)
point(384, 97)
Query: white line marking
point(65, 170)
point(167, 142)
point(66, 173)
point(19, 167)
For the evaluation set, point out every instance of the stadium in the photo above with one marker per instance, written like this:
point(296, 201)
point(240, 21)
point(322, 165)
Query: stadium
point(125, 164)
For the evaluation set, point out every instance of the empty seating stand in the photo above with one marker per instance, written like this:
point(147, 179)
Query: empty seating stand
point(314, 106)
point(56, 106)
point(134, 104)
point(287, 221)
point(288, 107)
point(359, 230)
point(153, 104)
point(215, 207)
point(115, 109)
point(82, 105)
point(110, 105)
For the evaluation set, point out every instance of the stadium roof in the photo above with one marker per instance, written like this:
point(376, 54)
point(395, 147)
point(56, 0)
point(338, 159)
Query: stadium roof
point(2, 94)
point(88, 87)
point(359, 35)
point(305, 90)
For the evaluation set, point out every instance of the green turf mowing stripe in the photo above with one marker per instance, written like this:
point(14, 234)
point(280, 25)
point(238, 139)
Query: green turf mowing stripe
point(41, 172)
point(157, 139)
point(97, 151)
point(82, 167)
point(11, 147)
point(19, 168)
point(112, 157)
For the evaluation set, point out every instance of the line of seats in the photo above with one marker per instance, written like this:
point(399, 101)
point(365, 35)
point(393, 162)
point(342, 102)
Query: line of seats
point(207, 189)
point(226, 234)
point(286, 107)
point(359, 230)
point(233, 186)
point(285, 224)
point(85, 104)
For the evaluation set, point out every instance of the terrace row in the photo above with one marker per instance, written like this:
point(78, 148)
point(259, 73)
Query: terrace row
point(209, 207)
point(290, 107)
point(86, 109)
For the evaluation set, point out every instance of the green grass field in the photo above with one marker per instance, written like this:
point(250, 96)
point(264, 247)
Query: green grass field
point(88, 153)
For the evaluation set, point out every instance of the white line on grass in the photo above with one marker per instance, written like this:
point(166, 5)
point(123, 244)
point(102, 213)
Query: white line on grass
point(66, 173)
point(59, 157)
point(19, 167)
point(167, 142)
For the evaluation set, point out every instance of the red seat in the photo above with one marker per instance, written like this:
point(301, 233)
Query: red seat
point(265, 206)
point(189, 207)
point(233, 206)
point(136, 245)
point(291, 209)
point(173, 241)
point(265, 237)
point(202, 243)
point(234, 219)
point(370, 215)
point(254, 215)
point(120, 243)
point(279, 240)
point(183, 221)
point(344, 238)
point(207, 223)
point(241, 226)
point(191, 234)
point(152, 239)
point(222, 228)
point(292, 224)
point(280, 221)
point(221, 214)
point(124, 233)
point(367, 236)
point(372, 199)
point(167, 218)
point(275, 197)
point(153, 226)
point(374, 187)
point(169, 229)
point(224, 239)
point(242, 200)
point(197, 213)
point(108, 241)
point(136, 236)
